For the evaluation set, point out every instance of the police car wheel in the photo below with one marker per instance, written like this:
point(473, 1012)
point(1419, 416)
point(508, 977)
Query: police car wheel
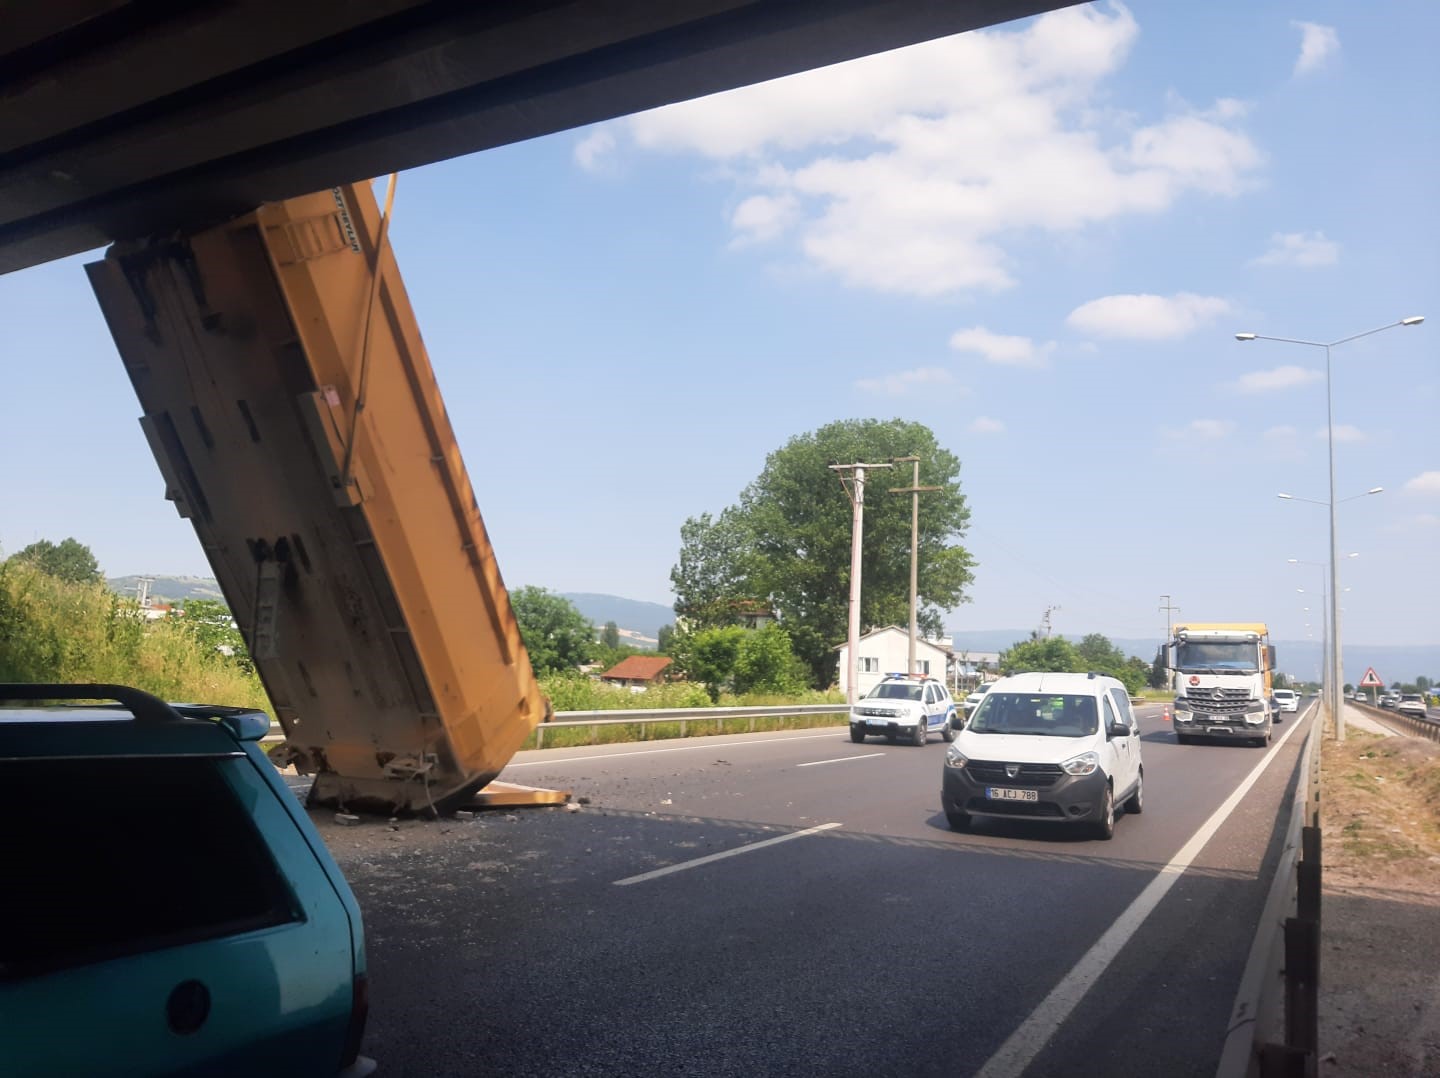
point(857, 733)
point(922, 733)
point(947, 733)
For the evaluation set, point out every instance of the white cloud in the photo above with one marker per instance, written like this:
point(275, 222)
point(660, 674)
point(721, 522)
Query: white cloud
point(1146, 317)
point(1287, 377)
point(1424, 483)
point(1206, 429)
point(1344, 432)
point(903, 382)
point(1000, 349)
point(1306, 250)
point(1317, 44)
point(908, 171)
point(763, 217)
point(1280, 434)
point(983, 424)
point(595, 151)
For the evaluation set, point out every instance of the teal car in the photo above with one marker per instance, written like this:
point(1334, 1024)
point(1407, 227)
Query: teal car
point(168, 907)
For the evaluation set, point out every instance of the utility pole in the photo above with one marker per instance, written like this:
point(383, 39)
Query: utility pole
point(1169, 619)
point(914, 490)
point(856, 493)
point(1045, 621)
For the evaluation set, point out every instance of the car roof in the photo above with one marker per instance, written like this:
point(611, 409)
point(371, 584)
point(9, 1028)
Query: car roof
point(1056, 681)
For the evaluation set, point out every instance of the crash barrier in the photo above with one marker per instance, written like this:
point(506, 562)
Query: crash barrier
point(1426, 728)
point(683, 715)
point(1274, 1028)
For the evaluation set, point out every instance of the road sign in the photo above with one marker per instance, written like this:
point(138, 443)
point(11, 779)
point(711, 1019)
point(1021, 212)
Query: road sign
point(1371, 680)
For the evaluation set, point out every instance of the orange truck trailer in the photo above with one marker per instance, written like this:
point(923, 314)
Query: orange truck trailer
point(290, 404)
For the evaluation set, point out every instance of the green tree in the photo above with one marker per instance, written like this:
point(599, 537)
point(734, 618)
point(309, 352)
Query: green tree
point(788, 540)
point(717, 568)
point(610, 636)
point(69, 560)
point(666, 637)
point(765, 662)
point(710, 656)
point(213, 627)
point(1053, 653)
point(557, 636)
point(1159, 674)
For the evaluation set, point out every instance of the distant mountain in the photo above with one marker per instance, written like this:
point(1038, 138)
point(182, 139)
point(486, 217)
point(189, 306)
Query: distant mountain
point(172, 588)
point(636, 615)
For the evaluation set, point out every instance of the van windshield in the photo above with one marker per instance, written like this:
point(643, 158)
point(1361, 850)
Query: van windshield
point(1035, 714)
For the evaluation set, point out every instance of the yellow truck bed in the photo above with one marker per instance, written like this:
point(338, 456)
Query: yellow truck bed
point(297, 422)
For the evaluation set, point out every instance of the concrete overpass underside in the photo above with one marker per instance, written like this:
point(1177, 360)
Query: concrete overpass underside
point(127, 118)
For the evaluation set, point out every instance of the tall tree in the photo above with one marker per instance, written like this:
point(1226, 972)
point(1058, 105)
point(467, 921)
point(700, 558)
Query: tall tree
point(717, 568)
point(788, 539)
point(557, 636)
point(666, 637)
point(69, 560)
point(610, 635)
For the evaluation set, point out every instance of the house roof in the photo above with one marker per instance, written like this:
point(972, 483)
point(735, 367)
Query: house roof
point(638, 668)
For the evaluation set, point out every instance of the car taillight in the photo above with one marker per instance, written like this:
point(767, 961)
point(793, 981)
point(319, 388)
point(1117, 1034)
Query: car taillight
point(359, 1011)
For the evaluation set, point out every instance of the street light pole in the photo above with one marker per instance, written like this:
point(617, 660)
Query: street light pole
point(1336, 706)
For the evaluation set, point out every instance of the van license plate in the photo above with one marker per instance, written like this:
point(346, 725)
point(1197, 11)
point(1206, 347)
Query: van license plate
point(1220, 730)
point(1000, 793)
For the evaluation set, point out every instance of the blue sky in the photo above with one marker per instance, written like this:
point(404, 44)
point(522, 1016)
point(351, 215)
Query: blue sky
point(1039, 240)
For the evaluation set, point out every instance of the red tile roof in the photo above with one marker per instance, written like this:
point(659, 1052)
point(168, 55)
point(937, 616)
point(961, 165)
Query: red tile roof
point(638, 668)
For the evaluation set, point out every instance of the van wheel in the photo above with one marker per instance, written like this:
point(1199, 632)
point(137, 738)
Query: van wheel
point(1105, 824)
point(857, 733)
point(922, 733)
point(1136, 804)
point(958, 821)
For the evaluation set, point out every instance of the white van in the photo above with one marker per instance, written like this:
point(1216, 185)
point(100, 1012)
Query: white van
point(1063, 748)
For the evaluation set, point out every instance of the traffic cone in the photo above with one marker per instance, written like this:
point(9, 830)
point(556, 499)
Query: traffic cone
point(1165, 714)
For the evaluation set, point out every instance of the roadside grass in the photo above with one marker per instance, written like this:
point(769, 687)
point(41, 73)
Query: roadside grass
point(1381, 805)
point(55, 631)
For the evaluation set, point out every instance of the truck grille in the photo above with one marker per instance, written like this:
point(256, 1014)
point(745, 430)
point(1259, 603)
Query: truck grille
point(1219, 700)
point(1033, 775)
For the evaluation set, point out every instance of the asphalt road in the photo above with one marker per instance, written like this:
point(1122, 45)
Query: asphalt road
point(872, 940)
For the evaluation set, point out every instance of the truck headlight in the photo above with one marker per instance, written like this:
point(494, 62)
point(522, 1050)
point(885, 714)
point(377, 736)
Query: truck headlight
point(1254, 718)
point(954, 757)
point(1084, 764)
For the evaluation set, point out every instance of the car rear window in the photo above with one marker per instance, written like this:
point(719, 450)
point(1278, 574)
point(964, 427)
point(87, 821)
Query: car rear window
point(114, 856)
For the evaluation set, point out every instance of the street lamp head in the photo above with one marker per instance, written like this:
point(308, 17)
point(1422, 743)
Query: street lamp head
point(1293, 561)
point(1413, 320)
point(1287, 497)
point(1375, 490)
point(1244, 336)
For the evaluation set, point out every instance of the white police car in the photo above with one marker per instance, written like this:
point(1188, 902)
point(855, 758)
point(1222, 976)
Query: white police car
point(903, 706)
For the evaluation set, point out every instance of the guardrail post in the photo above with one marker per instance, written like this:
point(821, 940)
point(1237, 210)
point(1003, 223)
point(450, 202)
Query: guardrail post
point(1302, 982)
point(540, 737)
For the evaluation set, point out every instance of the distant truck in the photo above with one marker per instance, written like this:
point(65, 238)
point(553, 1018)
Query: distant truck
point(1222, 675)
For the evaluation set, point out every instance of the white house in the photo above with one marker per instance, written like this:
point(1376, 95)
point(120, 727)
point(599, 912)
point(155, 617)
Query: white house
point(886, 651)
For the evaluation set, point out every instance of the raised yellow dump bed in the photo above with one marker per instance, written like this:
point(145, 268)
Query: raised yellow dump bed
point(290, 404)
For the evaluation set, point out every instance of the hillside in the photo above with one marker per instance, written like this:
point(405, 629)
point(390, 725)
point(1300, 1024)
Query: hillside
point(171, 588)
point(636, 615)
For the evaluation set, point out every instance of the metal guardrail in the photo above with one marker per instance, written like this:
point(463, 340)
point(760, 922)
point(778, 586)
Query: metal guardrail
point(1427, 728)
point(1274, 1028)
point(683, 715)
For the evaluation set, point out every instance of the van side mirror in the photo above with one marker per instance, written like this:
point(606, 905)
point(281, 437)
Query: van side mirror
point(1119, 729)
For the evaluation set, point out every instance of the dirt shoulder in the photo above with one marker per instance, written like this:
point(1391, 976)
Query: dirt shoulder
point(1380, 920)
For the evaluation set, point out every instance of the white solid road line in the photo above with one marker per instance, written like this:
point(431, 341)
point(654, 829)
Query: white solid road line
point(681, 748)
point(842, 759)
point(683, 865)
point(1035, 1032)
